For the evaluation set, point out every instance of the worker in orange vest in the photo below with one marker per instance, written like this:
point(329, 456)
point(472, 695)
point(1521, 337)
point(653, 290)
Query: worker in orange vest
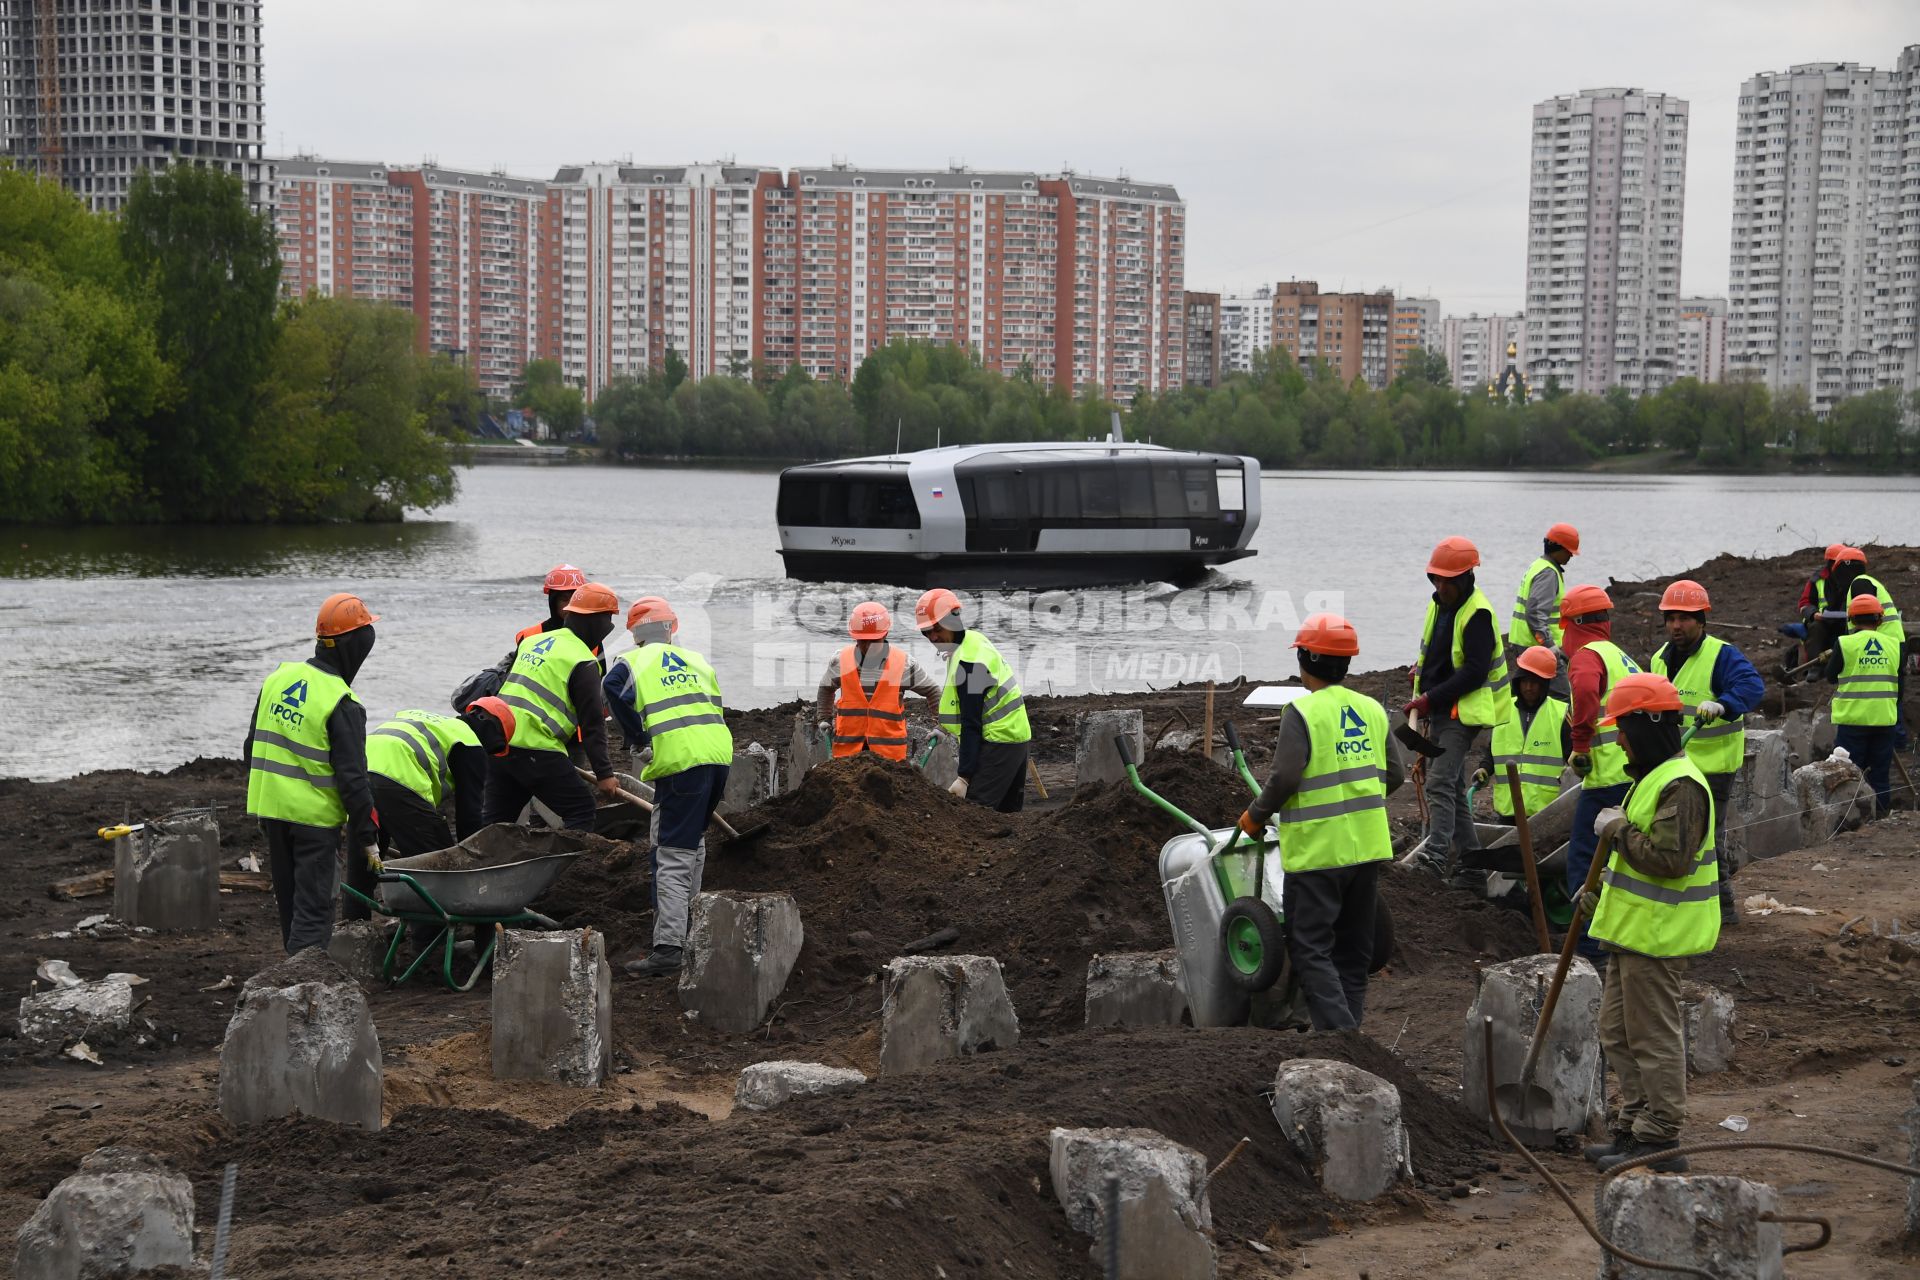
point(860, 691)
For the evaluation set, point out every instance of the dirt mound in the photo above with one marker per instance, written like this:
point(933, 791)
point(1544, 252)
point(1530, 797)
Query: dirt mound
point(1435, 926)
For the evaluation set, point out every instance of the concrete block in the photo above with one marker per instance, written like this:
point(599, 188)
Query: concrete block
point(803, 751)
point(1569, 1068)
point(765, 1085)
point(1765, 821)
point(750, 780)
point(301, 1040)
point(935, 1007)
point(1345, 1123)
point(360, 947)
point(943, 766)
point(98, 1012)
point(1797, 727)
point(552, 1007)
point(1095, 759)
point(741, 947)
point(123, 1214)
point(1709, 1014)
point(167, 876)
point(1822, 735)
point(1834, 796)
point(1709, 1222)
point(1165, 1221)
point(1135, 989)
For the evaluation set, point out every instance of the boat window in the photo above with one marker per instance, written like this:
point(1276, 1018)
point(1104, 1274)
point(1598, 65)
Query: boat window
point(1203, 495)
point(1169, 499)
point(1136, 490)
point(1099, 492)
point(846, 502)
point(1232, 486)
point(1059, 493)
point(1000, 497)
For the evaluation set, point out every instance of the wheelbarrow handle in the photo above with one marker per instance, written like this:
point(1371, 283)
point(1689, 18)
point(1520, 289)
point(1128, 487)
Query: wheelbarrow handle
point(1232, 733)
point(1124, 745)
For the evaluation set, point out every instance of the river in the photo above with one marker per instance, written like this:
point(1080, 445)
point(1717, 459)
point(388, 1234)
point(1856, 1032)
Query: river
point(144, 647)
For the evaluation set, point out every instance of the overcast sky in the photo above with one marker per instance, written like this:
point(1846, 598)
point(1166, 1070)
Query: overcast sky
point(1359, 143)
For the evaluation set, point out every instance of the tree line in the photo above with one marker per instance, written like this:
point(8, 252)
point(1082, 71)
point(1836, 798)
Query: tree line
point(149, 370)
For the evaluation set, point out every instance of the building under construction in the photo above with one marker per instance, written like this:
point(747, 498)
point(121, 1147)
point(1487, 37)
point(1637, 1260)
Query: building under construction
point(93, 90)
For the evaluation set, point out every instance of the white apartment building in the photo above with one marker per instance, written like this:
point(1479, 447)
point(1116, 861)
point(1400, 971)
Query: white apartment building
point(1606, 215)
point(1702, 350)
point(1246, 326)
point(1476, 348)
point(1896, 273)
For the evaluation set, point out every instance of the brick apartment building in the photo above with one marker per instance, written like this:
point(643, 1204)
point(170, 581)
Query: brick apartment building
point(1352, 332)
point(1203, 340)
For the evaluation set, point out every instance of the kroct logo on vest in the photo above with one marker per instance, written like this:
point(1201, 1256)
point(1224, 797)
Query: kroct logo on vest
point(1872, 649)
point(1353, 726)
point(288, 708)
point(675, 668)
point(536, 656)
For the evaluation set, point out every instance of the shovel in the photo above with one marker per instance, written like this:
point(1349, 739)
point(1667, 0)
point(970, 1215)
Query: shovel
point(752, 831)
point(1414, 740)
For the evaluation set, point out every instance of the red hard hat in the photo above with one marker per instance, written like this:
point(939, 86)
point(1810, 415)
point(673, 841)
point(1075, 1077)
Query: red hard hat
point(1453, 557)
point(1583, 600)
point(1685, 596)
point(936, 608)
point(1566, 535)
point(593, 597)
point(652, 609)
point(1538, 660)
point(1864, 606)
point(499, 710)
point(869, 621)
point(340, 613)
point(1329, 635)
point(1641, 691)
point(564, 577)
point(1850, 553)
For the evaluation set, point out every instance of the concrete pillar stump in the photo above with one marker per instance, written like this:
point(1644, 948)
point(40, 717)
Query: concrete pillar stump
point(301, 1040)
point(167, 876)
point(1834, 796)
point(98, 1012)
point(1165, 1221)
point(552, 1007)
point(1135, 989)
point(1765, 821)
point(1711, 1222)
point(935, 1007)
point(1095, 760)
point(741, 948)
point(360, 947)
point(766, 1085)
point(1707, 1014)
point(1345, 1124)
point(1569, 1068)
point(750, 780)
point(804, 751)
point(123, 1214)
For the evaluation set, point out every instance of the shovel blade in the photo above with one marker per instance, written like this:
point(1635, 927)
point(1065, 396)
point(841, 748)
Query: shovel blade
point(1413, 740)
point(1528, 1111)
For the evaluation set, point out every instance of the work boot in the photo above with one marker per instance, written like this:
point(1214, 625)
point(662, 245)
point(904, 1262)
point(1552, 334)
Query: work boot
point(1639, 1147)
point(1595, 1152)
point(661, 962)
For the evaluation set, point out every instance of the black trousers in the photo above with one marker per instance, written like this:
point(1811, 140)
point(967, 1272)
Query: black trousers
point(305, 862)
point(546, 776)
point(1330, 939)
point(411, 825)
point(1000, 781)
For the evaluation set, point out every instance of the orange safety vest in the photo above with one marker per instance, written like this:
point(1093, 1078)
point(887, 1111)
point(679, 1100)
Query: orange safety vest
point(878, 723)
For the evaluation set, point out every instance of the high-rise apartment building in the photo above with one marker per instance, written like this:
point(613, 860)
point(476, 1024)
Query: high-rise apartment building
point(92, 91)
point(1896, 271)
point(1203, 340)
point(1476, 348)
point(1606, 215)
point(1246, 326)
point(1352, 332)
point(1122, 263)
point(1416, 327)
point(345, 229)
point(1701, 348)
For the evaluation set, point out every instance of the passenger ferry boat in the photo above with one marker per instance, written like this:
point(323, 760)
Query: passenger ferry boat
point(1039, 516)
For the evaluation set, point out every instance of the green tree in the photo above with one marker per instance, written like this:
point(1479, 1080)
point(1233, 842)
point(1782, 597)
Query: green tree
point(449, 399)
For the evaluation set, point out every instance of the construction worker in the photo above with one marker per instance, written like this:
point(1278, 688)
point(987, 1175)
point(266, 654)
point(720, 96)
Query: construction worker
point(1595, 664)
point(553, 688)
point(670, 701)
point(1864, 669)
point(1654, 910)
point(561, 582)
point(980, 704)
point(1334, 764)
point(1460, 686)
point(1718, 686)
point(1536, 605)
point(1536, 740)
point(419, 760)
point(306, 760)
point(1893, 631)
point(859, 697)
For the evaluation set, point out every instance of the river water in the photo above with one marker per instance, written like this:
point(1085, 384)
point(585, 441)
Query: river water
point(144, 647)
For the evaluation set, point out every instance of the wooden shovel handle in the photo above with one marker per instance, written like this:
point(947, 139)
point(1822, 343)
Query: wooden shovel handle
point(1525, 833)
point(647, 805)
point(1600, 857)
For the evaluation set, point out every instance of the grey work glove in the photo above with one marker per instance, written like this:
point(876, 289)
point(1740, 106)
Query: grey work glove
point(958, 788)
point(1603, 821)
point(1709, 711)
point(1589, 903)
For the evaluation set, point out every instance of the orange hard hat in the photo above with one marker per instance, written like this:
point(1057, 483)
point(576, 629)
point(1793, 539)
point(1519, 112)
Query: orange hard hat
point(1453, 557)
point(869, 621)
point(1566, 535)
point(1641, 691)
point(1538, 660)
point(1863, 606)
point(593, 597)
point(1849, 553)
point(652, 609)
point(499, 710)
point(1834, 549)
point(1329, 635)
point(565, 577)
point(936, 608)
point(1583, 600)
point(340, 613)
point(1685, 596)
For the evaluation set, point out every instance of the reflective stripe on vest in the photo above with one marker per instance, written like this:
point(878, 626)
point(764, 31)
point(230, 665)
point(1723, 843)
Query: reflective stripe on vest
point(1338, 817)
point(290, 771)
point(1719, 747)
point(1608, 756)
point(1867, 693)
point(1535, 749)
point(678, 698)
point(1520, 631)
point(1663, 918)
point(876, 723)
point(1005, 717)
point(1492, 702)
point(536, 689)
point(412, 748)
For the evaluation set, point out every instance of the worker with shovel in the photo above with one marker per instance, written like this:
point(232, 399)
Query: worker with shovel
point(860, 692)
point(669, 701)
point(1655, 908)
point(306, 758)
point(1595, 664)
point(1536, 605)
point(1864, 669)
point(980, 704)
point(1536, 741)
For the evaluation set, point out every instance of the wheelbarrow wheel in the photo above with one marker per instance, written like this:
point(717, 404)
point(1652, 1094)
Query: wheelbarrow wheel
point(1255, 943)
point(1382, 936)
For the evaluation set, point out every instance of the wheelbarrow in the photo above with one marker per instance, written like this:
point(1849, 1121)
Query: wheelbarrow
point(434, 890)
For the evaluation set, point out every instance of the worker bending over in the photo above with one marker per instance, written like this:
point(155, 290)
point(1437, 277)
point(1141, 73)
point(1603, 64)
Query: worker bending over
point(1536, 605)
point(553, 688)
point(980, 704)
point(1595, 664)
point(1334, 765)
point(1654, 909)
point(1718, 686)
point(667, 699)
point(306, 758)
point(420, 760)
point(1536, 740)
point(1864, 669)
point(859, 699)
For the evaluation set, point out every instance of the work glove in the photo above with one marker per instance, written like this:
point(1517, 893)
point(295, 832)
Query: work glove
point(958, 788)
point(1588, 904)
point(1253, 826)
point(1709, 711)
point(1605, 819)
point(1582, 764)
point(1479, 778)
point(372, 854)
point(1418, 707)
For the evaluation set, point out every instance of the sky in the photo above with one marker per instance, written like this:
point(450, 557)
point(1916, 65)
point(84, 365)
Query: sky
point(1360, 143)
